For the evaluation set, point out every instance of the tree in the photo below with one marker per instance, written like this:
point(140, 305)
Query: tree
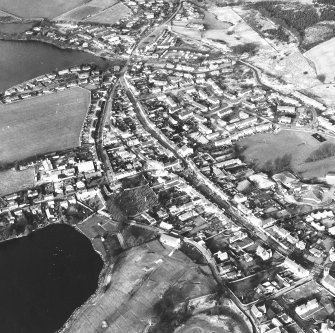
point(321, 78)
point(245, 48)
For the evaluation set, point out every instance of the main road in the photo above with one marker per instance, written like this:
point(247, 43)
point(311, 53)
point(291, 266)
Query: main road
point(109, 102)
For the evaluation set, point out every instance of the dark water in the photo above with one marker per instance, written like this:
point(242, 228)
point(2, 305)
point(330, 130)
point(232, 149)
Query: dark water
point(24, 60)
point(44, 277)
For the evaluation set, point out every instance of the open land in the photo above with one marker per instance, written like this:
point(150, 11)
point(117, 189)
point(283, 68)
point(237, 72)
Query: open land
point(139, 278)
point(42, 124)
point(235, 31)
point(37, 8)
point(12, 181)
point(87, 10)
point(15, 28)
point(111, 15)
point(323, 57)
point(202, 323)
point(261, 148)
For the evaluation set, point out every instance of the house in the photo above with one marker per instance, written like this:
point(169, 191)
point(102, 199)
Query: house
point(170, 241)
point(222, 256)
point(166, 226)
point(328, 281)
point(257, 312)
point(286, 109)
point(263, 253)
point(330, 178)
point(305, 308)
point(295, 268)
point(285, 120)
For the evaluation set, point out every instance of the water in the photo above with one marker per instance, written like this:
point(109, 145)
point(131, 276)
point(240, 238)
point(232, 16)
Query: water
point(44, 277)
point(24, 60)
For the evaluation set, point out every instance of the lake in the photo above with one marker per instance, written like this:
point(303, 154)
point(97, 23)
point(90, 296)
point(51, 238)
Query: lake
point(24, 60)
point(44, 277)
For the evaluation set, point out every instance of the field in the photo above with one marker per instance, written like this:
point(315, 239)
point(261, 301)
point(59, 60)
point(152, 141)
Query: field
point(261, 148)
point(12, 181)
point(15, 28)
point(323, 57)
point(86, 10)
point(42, 124)
point(38, 8)
point(202, 323)
point(138, 280)
point(235, 31)
point(111, 15)
point(79, 13)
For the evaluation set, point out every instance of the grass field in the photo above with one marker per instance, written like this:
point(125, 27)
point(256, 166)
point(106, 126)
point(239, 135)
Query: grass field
point(79, 13)
point(261, 148)
point(15, 28)
point(138, 280)
point(42, 124)
point(38, 8)
point(323, 57)
point(231, 28)
point(88, 9)
point(12, 181)
point(202, 323)
point(111, 15)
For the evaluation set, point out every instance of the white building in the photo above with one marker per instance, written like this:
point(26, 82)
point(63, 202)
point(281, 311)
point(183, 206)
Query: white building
point(86, 166)
point(305, 308)
point(170, 241)
point(263, 253)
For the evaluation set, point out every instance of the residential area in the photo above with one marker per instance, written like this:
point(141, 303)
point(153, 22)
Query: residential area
point(183, 139)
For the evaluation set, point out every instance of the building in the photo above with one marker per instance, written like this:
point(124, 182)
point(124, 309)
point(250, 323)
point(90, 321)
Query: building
point(263, 253)
point(328, 281)
point(305, 308)
point(166, 226)
point(295, 268)
point(86, 166)
point(330, 178)
point(170, 241)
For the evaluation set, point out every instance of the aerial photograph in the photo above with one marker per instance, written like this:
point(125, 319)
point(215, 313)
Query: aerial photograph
point(167, 166)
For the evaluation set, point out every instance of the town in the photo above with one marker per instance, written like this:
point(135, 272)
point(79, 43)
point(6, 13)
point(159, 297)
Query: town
point(170, 138)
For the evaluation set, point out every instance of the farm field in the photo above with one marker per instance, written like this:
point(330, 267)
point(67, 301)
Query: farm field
point(12, 181)
point(42, 124)
point(323, 57)
point(261, 148)
point(88, 9)
point(110, 15)
point(79, 13)
point(140, 277)
point(38, 8)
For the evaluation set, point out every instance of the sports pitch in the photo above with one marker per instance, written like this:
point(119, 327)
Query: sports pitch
point(42, 124)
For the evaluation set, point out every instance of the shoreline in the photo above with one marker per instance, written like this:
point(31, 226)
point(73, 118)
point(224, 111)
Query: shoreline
point(59, 46)
point(106, 269)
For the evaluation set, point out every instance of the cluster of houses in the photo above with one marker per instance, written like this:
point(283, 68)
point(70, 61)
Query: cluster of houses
point(309, 304)
point(130, 148)
point(61, 181)
point(86, 76)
